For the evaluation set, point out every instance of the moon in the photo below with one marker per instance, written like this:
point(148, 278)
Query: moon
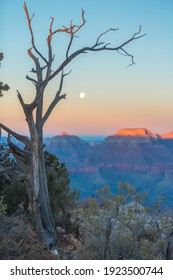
point(82, 95)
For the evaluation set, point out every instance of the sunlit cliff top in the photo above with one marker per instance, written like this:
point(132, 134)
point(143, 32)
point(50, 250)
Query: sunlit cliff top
point(64, 133)
point(167, 135)
point(143, 132)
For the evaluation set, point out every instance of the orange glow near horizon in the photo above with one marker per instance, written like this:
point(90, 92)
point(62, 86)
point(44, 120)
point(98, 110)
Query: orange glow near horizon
point(116, 97)
point(90, 116)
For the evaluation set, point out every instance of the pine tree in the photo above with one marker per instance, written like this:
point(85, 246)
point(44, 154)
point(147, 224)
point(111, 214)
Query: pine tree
point(3, 87)
point(62, 198)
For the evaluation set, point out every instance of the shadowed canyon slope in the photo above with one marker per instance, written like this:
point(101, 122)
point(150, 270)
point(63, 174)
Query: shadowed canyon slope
point(136, 156)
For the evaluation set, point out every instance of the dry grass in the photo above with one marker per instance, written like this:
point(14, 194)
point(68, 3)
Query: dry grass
point(18, 241)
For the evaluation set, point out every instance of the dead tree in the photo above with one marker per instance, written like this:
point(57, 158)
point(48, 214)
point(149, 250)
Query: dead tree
point(31, 158)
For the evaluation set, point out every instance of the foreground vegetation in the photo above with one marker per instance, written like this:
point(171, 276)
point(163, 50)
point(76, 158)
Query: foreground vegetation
point(109, 227)
point(120, 227)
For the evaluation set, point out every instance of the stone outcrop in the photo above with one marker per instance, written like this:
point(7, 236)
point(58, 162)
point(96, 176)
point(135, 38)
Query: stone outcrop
point(167, 135)
point(73, 241)
point(132, 136)
point(135, 132)
point(69, 148)
point(137, 156)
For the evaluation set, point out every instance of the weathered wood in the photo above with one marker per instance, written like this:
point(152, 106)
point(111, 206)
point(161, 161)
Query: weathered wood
point(32, 159)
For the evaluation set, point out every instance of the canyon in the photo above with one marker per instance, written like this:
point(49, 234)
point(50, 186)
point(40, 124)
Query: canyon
point(136, 156)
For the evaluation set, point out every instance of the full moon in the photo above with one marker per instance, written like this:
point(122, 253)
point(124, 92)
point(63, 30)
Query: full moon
point(82, 95)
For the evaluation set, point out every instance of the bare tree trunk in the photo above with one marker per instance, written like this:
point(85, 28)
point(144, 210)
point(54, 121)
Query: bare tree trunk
point(39, 199)
point(31, 158)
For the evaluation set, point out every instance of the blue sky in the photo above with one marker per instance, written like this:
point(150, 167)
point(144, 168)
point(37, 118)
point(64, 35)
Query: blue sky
point(116, 96)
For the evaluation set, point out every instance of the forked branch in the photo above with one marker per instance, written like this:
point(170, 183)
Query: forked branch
point(29, 19)
point(24, 139)
point(73, 29)
point(56, 99)
point(98, 46)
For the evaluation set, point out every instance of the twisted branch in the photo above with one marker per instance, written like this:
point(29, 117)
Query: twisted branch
point(31, 31)
point(24, 139)
point(56, 99)
point(73, 29)
point(98, 46)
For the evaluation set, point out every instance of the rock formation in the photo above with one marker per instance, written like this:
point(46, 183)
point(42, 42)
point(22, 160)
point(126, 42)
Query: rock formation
point(137, 156)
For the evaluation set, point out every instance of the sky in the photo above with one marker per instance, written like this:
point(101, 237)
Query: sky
point(140, 96)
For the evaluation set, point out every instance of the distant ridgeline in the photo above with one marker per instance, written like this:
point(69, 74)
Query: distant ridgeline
point(136, 156)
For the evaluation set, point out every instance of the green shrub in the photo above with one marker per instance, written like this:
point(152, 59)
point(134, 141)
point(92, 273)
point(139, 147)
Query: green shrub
point(119, 227)
point(14, 196)
point(62, 198)
point(3, 206)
